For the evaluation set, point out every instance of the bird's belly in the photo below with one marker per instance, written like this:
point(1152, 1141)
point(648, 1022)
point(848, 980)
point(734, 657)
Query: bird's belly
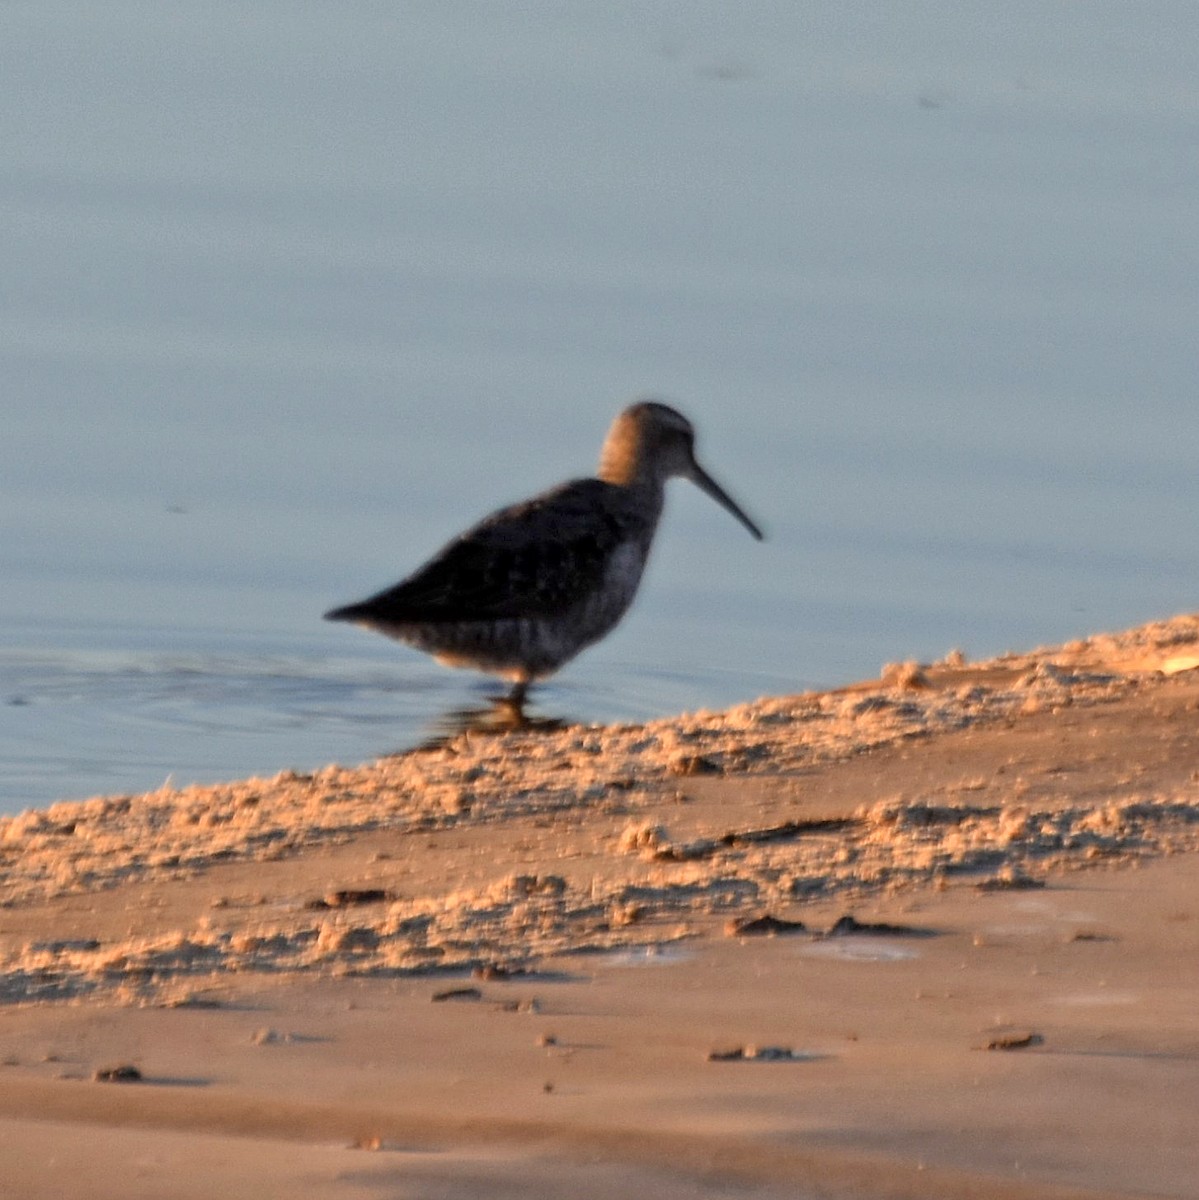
point(529, 646)
point(520, 647)
point(517, 647)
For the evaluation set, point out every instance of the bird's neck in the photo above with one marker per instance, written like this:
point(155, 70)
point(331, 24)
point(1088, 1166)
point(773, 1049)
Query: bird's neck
point(624, 461)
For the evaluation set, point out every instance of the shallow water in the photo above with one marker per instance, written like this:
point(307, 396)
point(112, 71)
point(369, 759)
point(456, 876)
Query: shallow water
point(294, 295)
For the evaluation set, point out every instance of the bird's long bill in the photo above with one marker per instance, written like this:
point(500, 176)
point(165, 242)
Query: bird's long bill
point(704, 481)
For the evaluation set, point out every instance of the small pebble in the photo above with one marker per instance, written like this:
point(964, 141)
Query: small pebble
point(1012, 881)
point(345, 897)
point(907, 676)
point(1016, 1039)
point(849, 925)
point(763, 926)
point(753, 1053)
point(124, 1073)
point(695, 764)
point(458, 993)
point(491, 971)
point(735, 1054)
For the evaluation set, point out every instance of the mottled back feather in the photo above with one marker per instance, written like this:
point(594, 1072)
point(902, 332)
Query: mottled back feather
point(534, 559)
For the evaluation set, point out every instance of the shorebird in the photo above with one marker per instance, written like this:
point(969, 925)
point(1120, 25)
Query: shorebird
point(528, 587)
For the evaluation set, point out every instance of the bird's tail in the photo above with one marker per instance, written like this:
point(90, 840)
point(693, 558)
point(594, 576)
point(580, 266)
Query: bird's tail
point(349, 612)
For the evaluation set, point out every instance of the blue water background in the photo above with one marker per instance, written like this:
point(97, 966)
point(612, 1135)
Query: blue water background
point(294, 292)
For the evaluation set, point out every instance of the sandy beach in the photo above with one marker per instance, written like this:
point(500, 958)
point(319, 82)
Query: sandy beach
point(932, 935)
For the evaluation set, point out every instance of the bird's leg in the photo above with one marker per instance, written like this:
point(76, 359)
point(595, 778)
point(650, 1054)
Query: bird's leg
point(510, 707)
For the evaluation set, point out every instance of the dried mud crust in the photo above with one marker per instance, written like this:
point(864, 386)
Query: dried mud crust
point(609, 803)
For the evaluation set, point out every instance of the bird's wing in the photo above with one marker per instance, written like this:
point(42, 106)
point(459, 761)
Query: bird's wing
point(529, 560)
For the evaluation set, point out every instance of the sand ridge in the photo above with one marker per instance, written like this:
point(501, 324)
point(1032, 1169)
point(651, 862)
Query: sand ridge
point(599, 838)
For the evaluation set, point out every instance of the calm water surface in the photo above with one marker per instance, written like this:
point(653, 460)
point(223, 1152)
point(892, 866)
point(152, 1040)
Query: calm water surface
point(294, 294)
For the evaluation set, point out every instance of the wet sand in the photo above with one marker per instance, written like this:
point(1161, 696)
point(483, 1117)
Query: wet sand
point(608, 961)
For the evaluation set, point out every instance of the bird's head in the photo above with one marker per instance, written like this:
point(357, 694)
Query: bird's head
point(650, 442)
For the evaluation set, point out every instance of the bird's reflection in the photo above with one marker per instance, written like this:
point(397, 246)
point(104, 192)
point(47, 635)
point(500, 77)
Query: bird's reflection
point(503, 713)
